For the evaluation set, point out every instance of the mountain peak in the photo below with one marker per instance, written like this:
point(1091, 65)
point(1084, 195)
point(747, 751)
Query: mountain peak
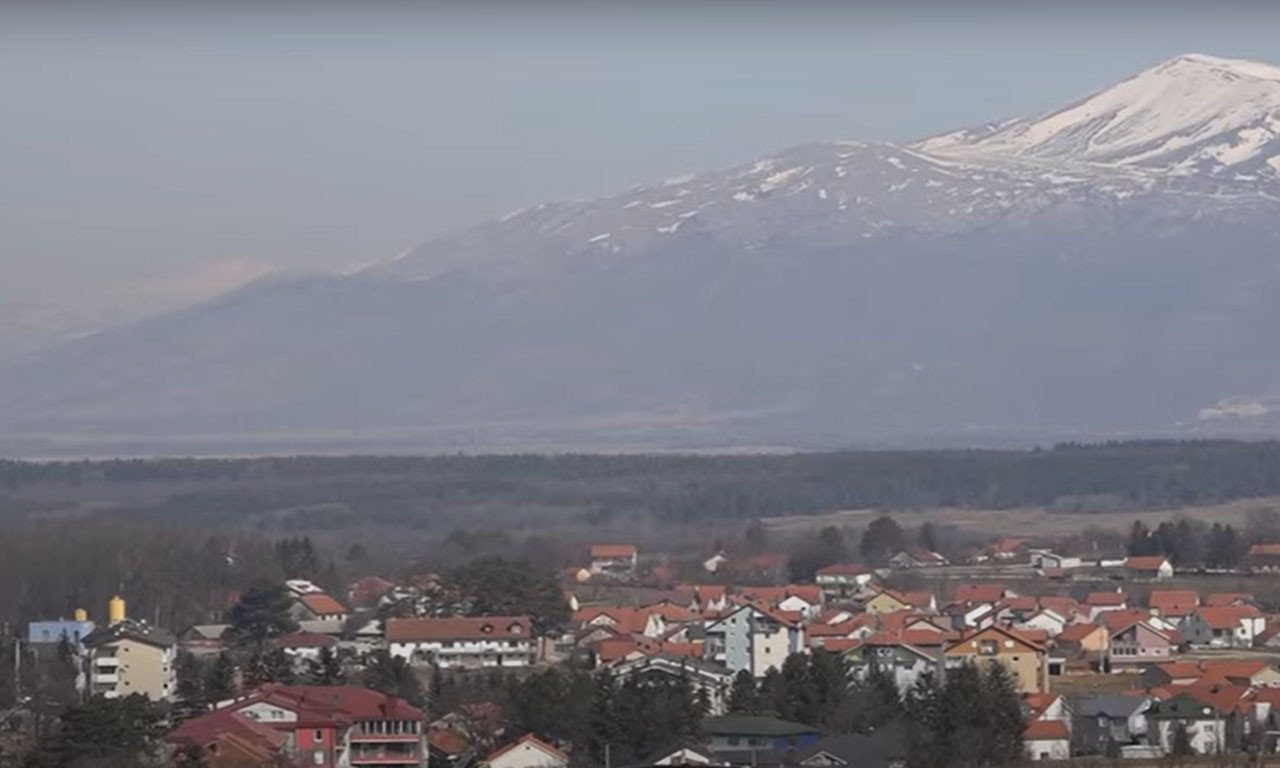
point(1192, 113)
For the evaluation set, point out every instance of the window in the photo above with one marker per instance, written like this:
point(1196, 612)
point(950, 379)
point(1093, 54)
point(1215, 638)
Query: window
point(318, 735)
point(733, 741)
point(317, 757)
point(987, 647)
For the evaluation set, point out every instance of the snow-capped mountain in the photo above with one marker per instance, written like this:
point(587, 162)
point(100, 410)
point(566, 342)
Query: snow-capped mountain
point(1192, 114)
point(1108, 268)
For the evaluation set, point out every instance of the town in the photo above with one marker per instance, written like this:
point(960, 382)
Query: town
point(615, 661)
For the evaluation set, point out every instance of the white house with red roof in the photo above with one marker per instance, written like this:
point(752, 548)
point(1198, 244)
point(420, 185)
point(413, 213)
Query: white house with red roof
point(528, 751)
point(842, 580)
point(318, 606)
point(1157, 567)
point(613, 559)
point(463, 642)
point(305, 646)
point(1231, 626)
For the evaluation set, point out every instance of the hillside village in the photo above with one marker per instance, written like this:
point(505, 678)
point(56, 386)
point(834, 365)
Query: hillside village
point(1106, 657)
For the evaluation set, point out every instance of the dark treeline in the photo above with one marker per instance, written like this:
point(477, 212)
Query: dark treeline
point(404, 490)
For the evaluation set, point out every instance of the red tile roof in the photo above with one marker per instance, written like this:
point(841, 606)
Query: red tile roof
point(1226, 616)
point(1046, 730)
point(1264, 550)
point(1176, 602)
point(844, 569)
point(447, 740)
point(841, 644)
point(367, 590)
point(1218, 599)
point(1105, 599)
point(979, 593)
point(612, 550)
point(1145, 562)
point(1062, 605)
point(458, 628)
point(322, 605)
point(1074, 633)
point(205, 728)
point(810, 593)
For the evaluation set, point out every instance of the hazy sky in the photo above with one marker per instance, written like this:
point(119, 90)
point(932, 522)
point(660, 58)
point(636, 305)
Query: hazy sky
point(167, 148)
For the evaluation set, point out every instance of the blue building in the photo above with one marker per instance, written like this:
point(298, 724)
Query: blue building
point(51, 632)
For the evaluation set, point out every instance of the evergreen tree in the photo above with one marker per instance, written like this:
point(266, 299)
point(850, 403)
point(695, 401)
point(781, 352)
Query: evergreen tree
point(326, 669)
point(1002, 710)
point(393, 676)
point(927, 538)
point(272, 666)
point(190, 688)
point(219, 680)
point(1180, 740)
point(105, 733)
point(261, 614)
point(744, 697)
point(882, 539)
point(496, 586)
point(875, 701)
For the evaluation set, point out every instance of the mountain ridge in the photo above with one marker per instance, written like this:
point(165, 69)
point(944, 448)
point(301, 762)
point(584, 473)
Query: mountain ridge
point(832, 293)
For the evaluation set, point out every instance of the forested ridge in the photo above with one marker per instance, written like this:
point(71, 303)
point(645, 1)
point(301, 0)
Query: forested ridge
point(1069, 477)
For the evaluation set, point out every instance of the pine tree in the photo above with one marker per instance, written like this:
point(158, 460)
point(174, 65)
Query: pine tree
point(219, 680)
point(261, 614)
point(393, 676)
point(1180, 740)
point(744, 697)
point(190, 688)
point(1002, 709)
point(326, 669)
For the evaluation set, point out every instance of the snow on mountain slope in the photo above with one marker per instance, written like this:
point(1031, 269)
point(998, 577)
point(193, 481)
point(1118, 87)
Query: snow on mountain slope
point(1191, 113)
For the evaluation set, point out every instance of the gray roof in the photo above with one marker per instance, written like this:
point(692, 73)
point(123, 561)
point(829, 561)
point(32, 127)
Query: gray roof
point(753, 725)
point(866, 750)
point(130, 629)
point(1111, 704)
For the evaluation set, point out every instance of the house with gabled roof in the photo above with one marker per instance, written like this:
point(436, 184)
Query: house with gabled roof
point(1210, 716)
point(1154, 567)
point(1103, 601)
point(317, 606)
point(1109, 721)
point(1233, 626)
point(1137, 642)
point(1026, 660)
point(1173, 603)
point(894, 656)
point(528, 751)
point(753, 638)
point(1264, 558)
point(917, 558)
point(472, 642)
point(893, 601)
point(706, 677)
point(843, 580)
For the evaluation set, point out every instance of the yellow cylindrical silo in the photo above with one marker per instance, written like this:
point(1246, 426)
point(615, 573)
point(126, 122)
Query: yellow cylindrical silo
point(81, 614)
point(115, 610)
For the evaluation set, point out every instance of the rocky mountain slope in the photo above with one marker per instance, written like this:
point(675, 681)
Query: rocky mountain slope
point(1109, 268)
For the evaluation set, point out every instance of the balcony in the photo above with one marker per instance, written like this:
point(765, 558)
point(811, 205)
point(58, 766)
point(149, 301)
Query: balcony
point(106, 661)
point(106, 678)
point(384, 738)
point(385, 758)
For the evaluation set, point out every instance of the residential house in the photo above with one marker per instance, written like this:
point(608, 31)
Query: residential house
point(893, 601)
point(528, 751)
point(1026, 660)
point(1086, 640)
point(683, 755)
point(805, 599)
point(1173, 604)
point(463, 642)
point(1220, 599)
point(715, 562)
point(128, 657)
point(743, 733)
point(228, 739)
point(894, 656)
point(883, 748)
point(1101, 602)
point(1233, 626)
point(1107, 722)
point(1045, 560)
point(336, 726)
point(917, 558)
point(202, 639)
point(317, 606)
point(752, 638)
point(1209, 728)
point(305, 646)
point(1252, 673)
point(366, 592)
point(613, 559)
point(1137, 642)
point(1045, 619)
point(72, 630)
point(1047, 740)
point(843, 580)
point(1264, 558)
point(1007, 549)
point(1155, 567)
point(982, 593)
point(707, 677)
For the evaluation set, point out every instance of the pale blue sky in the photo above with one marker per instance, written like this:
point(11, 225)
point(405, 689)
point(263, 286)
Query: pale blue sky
point(143, 143)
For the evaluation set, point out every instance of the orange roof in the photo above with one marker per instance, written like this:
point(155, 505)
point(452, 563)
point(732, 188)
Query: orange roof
point(840, 644)
point(979, 593)
point(1264, 550)
point(1031, 635)
point(671, 612)
point(1074, 633)
point(1222, 697)
point(1118, 620)
point(843, 629)
point(1062, 605)
point(1007, 544)
point(844, 569)
point(458, 627)
point(1226, 616)
point(1145, 562)
point(1218, 599)
point(996, 628)
point(612, 550)
point(1105, 599)
point(1017, 603)
point(1215, 668)
point(624, 618)
point(614, 648)
point(322, 605)
point(528, 738)
point(810, 593)
point(1046, 730)
point(1037, 703)
point(447, 740)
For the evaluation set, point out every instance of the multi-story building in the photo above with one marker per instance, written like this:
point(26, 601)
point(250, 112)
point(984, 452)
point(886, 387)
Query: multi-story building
point(1026, 661)
point(340, 726)
point(753, 639)
point(127, 657)
point(843, 580)
point(467, 643)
